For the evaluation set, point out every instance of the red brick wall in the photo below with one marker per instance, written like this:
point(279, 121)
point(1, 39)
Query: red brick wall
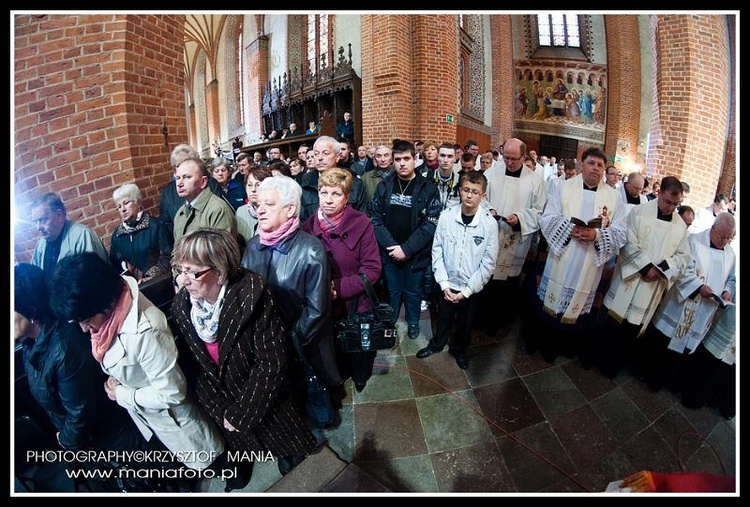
point(624, 84)
point(91, 95)
point(692, 93)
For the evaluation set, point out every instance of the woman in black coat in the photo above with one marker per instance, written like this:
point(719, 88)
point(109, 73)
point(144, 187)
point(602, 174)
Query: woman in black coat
point(233, 328)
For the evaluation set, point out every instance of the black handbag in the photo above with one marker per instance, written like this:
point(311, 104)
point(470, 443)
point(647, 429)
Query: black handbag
point(371, 330)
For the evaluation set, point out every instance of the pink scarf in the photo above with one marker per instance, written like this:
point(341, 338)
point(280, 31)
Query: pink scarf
point(329, 223)
point(273, 238)
point(102, 339)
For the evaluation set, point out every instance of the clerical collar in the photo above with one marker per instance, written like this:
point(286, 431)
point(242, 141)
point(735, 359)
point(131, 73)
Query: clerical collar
point(633, 200)
point(514, 174)
point(714, 246)
point(667, 217)
point(593, 189)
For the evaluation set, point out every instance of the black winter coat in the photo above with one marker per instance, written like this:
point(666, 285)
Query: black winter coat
point(68, 383)
point(425, 212)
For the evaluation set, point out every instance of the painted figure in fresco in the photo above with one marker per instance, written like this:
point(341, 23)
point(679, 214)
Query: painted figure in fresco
point(586, 106)
point(560, 90)
point(521, 101)
point(571, 105)
point(543, 111)
point(533, 106)
point(601, 104)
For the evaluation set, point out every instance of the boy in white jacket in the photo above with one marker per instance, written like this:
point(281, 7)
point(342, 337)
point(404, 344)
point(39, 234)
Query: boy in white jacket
point(464, 253)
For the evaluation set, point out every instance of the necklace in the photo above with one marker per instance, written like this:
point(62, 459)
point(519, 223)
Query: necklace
point(407, 185)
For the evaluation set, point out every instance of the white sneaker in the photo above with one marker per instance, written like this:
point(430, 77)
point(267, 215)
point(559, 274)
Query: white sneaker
point(423, 307)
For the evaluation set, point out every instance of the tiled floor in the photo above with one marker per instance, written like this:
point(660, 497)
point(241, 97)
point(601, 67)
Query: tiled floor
point(510, 423)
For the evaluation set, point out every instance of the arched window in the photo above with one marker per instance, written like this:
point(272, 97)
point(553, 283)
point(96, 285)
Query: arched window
point(318, 55)
point(559, 30)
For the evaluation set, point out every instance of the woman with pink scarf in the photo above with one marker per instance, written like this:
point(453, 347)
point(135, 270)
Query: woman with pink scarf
point(349, 239)
point(296, 268)
point(133, 343)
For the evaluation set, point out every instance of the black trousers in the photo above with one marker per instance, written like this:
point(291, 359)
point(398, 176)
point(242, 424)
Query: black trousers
point(461, 314)
point(500, 303)
point(552, 338)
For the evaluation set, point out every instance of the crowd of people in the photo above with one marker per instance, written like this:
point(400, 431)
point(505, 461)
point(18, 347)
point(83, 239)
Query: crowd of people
point(265, 257)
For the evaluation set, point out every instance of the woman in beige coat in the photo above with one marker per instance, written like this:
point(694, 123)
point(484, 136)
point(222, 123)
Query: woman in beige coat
point(131, 339)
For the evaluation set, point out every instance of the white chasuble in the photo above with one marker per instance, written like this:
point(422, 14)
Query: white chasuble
point(574, 268)
point(525, 197)
point(684, 319)
point(649, 241)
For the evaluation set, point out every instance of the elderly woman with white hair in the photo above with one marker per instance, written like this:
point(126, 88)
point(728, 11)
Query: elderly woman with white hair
point(141, 244)
point(295, 266)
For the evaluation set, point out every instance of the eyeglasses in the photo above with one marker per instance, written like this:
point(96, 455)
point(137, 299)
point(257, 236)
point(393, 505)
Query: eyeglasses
point(512, 159)
point(472, 191)
point(124, 204)
point(189, 274)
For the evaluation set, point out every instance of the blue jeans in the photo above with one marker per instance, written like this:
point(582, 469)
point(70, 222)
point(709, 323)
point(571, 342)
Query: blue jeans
point(402, 280)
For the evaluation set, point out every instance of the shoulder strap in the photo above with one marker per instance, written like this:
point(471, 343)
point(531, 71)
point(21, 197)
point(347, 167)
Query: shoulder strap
point(369, 290)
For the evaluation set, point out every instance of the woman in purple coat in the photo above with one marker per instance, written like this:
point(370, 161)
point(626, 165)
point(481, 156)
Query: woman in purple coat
point(349, 240)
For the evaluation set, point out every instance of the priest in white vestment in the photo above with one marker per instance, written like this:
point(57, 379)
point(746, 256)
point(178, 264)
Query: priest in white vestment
point(577, 254)
point(654, 256)
point(687, 310)
point(517, 196)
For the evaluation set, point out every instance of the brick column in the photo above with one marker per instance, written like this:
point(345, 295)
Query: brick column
point(213, 112)
point(691, 101)
point(503, 82)
point(434, 58)
point(624, 86)
point(387, 99)
point(728, 173)
point(192, 125)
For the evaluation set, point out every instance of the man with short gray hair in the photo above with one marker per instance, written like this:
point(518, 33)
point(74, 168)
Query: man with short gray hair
point(59, 236)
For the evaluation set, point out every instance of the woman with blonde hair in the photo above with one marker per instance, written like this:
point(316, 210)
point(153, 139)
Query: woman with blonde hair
point(349, 240)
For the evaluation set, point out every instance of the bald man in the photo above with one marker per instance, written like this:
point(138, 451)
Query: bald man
point(632, 190)
point(688, 309)
point(517, 196)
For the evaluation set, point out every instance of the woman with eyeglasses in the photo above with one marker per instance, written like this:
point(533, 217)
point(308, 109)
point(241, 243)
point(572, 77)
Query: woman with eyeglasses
point(133, 343)
point(141, 244)
point(234, 330)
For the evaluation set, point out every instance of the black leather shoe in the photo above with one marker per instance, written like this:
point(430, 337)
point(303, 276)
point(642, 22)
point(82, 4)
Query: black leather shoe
point(426, 352)
point(461, 360)
point(241, 478)
point(413, 331)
